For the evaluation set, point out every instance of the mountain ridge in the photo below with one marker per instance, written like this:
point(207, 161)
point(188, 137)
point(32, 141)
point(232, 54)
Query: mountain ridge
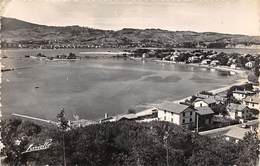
point(14, 30)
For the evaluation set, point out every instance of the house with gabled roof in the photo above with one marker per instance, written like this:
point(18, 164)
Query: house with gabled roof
point(241, 94)
point(179, 114)
point(252, 102)
point(204, 115)
point(208, 102)
point(238, 111)
point(250, 64)
point(235, 134)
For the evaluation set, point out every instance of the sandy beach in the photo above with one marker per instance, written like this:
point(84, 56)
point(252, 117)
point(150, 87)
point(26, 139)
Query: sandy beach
point(220, 68)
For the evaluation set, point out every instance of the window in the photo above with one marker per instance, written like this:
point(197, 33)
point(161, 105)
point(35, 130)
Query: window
point(200, 104)
point(183, 120)
point(165, 118)
point(253, 105)
point(190, 113)
point(164, 111)
point(172, 120)
point(183, 114)
point(190, 119)
point(172, 113)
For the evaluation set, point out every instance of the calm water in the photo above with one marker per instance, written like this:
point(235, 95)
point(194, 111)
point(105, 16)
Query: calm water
point(93, 87)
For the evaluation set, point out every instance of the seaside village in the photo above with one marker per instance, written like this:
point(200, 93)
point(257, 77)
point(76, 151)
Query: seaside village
point(230, 112)
point(205, 111)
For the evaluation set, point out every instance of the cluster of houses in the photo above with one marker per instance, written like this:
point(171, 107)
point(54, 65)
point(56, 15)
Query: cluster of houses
point(204, 57)
point(198, 113)
point(63, 56)
point(42, 56)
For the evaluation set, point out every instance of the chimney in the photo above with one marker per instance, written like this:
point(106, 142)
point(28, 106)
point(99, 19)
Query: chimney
point(106, 115)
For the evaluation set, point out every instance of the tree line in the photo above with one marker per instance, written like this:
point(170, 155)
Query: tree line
point(123, 143)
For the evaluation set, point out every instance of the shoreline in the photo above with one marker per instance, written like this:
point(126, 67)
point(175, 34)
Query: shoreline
point(214, 91)
point(220, 68)
point(240, 81)
point(218, 90)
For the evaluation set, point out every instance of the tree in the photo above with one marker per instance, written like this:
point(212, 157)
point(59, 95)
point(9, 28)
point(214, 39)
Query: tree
point(72, 56)
point(249, 150)
point(124, 143)
point(63, 125)
point(17, 135)
point(252, 78)
point(222, 58)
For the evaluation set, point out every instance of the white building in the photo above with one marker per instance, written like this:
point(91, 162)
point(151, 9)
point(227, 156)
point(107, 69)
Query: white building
point(233, 66)
point(206, 62)
point(250, 65)
point(241, 94)
point(238, 111)
point(171, 112)
point(207, 102)
point(176, 113)
point(252, 102)
point(193, 59)
point(214, 63)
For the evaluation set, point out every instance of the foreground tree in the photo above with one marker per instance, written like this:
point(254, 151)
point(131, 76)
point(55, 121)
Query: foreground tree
point(124, 143)
point(249, 150)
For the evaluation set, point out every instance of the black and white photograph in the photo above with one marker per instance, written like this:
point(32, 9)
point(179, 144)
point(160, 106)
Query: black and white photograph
point(129, 82)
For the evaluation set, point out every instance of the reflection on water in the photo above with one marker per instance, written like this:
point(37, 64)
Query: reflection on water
point(163, 79)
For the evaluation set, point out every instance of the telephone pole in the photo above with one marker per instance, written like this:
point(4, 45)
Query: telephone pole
point(166, 135)
point(197, 123)
point(64, 152)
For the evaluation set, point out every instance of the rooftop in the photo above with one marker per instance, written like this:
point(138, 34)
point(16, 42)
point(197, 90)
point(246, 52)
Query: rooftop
point(243, 92)
point(237, 132)
point(236, 107)
point(208, 100)
point(172, 107)
point(126, 116)
point(204, 110)
point(202, 96)
point(253, 99)
point(147, 111)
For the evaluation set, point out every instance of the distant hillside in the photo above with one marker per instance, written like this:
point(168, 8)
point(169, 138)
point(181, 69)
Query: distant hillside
point(9, 24)
point(14, 30)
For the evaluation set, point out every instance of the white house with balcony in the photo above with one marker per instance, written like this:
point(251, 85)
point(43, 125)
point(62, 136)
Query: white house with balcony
point(176, 113)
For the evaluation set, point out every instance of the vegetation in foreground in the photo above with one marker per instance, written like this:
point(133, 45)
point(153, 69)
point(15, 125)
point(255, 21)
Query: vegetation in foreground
point(123, 143)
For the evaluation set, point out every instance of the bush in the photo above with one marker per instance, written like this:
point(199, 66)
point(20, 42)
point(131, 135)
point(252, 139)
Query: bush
point(121, 144)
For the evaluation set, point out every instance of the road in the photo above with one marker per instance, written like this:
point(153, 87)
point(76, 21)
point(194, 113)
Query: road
point(222, 130)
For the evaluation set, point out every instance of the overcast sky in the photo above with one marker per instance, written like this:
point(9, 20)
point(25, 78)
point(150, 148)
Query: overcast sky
point(227, 16)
